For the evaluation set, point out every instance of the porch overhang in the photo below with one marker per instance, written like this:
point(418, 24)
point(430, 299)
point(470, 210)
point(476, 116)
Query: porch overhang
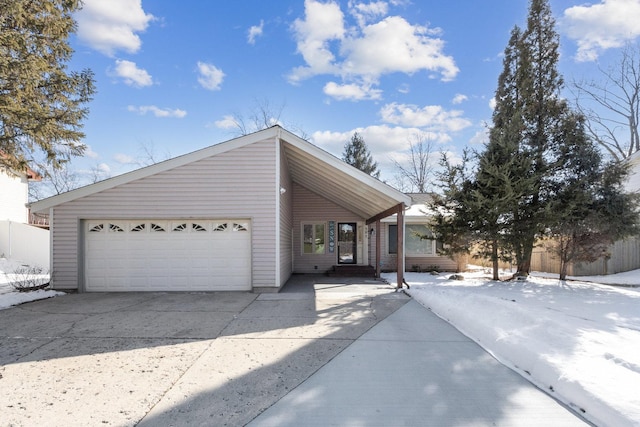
point(331, 178)
point(362, 194)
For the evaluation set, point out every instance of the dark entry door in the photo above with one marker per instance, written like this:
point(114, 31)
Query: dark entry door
point(347, 242)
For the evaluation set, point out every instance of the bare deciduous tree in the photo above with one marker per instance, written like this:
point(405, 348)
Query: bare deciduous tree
point(149, 154)
point(54, 181)
point(419, 167)
point(261, 116)
point(98, 173)
point(612, 106)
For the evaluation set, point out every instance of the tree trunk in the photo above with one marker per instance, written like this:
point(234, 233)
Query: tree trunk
point(524, 261)
point(564, 266)
point(494, 258)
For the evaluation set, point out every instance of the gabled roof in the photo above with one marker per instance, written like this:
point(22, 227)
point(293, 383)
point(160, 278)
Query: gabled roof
point(333, 179)
point(309, 166)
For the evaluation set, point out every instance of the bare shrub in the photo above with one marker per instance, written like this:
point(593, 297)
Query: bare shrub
point(28, 279)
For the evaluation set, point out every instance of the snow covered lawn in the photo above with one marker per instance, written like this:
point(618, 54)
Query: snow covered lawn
point(578, 341)
point(9, 296)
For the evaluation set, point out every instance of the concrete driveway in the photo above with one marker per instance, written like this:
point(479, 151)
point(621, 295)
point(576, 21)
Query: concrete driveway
point(176, 358)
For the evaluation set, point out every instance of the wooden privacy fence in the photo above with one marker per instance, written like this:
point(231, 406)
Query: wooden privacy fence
point(624, 256)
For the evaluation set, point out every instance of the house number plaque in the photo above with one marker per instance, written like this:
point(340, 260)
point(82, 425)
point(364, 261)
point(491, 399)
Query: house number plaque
point(332, 236)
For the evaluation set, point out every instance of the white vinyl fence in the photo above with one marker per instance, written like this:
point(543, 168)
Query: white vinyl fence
point(24, 243)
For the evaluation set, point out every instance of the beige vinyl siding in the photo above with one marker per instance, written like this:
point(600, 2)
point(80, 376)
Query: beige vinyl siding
point(235, 184)
point(286, 221)
point(388, 262)
point(309, 207)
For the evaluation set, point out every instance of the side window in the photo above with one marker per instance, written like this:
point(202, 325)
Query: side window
point(417, 240)
point(393, 239)
point(313, 240)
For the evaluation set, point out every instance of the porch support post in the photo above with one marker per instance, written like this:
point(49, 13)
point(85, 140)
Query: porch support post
point(399, 210)
point(378, 248)
point(400, 250)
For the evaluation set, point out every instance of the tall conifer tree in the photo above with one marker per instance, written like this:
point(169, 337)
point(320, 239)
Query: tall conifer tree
point(541, 109)
point(357, 155)
point(42, 104)
point(539, 174)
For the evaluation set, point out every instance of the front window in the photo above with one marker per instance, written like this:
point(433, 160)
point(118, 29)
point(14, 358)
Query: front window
point(417, 241)
point(313, 238)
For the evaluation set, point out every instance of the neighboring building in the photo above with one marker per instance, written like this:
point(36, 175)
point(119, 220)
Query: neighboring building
point(420, 254)
point(240, 215)
point(633, 184)
point(14, 194)
point(18, 239)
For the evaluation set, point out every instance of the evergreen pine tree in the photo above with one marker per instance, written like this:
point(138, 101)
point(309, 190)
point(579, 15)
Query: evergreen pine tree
point(539, 173)
point(452, 215)
point(590, 209)
point(41, 102)
point(357, 155)
point(541, 108)
point(502, 178)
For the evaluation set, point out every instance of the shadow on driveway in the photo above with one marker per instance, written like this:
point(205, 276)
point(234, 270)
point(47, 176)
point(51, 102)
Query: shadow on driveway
point(170, 358)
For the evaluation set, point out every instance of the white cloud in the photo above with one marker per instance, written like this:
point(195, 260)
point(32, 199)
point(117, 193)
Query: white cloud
point(492, 103)
point(103, 168)
point(373, 48)
point(386, 143)
point(432, 117)
point(227, 122)
point(109, 26)
point(404, 88)
point(124, 159)
point(459, 98)
point(367, 12)
point(382, 140)
point(601, 26)
point(88, 152)
point(480, 137)
point(211, 77)
point(394, 45)
point(158, 112)
point(323, 23)
point(353, 91)
point(131, 74)
point(255, 31)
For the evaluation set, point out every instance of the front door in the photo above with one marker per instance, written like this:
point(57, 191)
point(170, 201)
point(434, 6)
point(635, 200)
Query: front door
point(347, 242)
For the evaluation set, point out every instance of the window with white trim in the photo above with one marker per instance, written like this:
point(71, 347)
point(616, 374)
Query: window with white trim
point(313, 238)
point(417, 241)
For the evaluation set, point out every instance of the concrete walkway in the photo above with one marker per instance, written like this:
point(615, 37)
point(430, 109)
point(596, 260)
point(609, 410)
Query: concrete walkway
point(414, 369)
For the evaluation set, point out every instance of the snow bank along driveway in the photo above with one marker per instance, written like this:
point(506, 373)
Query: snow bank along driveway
point(578, 341)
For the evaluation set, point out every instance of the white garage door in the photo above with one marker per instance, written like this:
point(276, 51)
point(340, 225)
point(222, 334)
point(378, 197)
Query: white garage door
point(161, 255)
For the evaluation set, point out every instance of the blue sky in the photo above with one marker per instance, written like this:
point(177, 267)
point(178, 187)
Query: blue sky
point(170, 74)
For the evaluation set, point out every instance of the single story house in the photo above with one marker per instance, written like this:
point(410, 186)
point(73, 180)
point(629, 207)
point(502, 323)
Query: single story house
point(421, 254)
point(244, 214)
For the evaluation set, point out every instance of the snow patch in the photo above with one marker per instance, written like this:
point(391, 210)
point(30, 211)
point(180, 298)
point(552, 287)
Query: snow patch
point(576, 340)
